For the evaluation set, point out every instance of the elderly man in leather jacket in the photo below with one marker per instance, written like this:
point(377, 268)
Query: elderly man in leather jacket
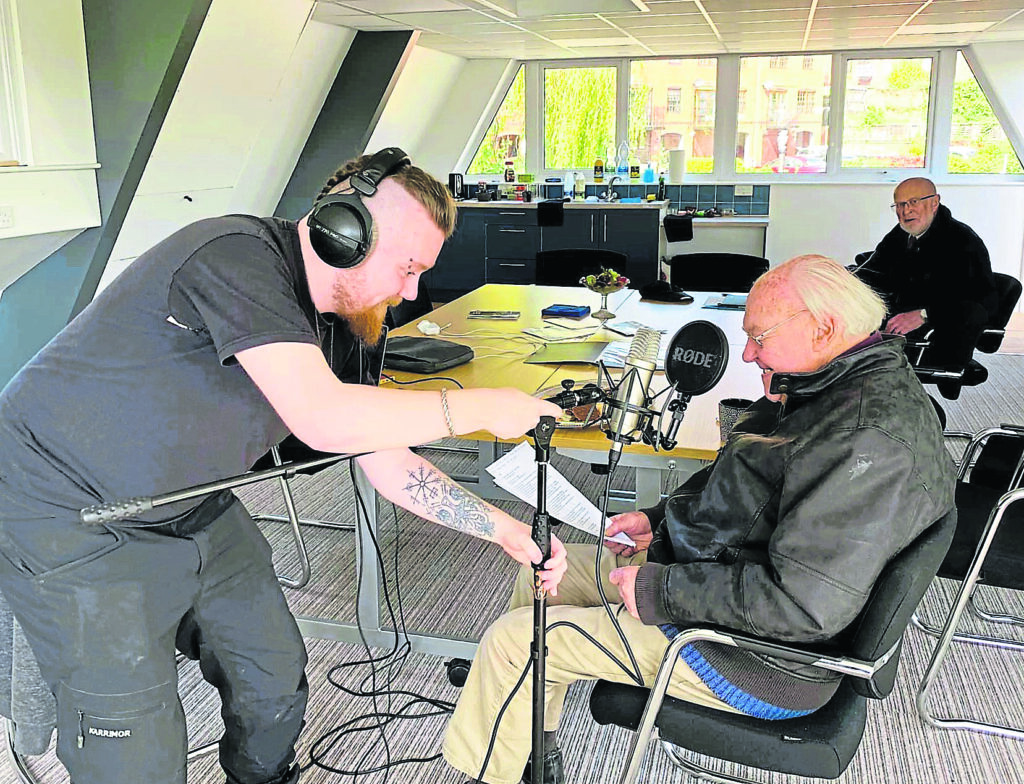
point(823, 480)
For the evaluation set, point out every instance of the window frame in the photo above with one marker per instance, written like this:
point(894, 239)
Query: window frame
point(726, 115)
point(14, 137)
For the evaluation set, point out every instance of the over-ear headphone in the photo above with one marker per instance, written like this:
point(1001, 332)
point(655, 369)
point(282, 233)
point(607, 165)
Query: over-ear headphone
point(340, 226)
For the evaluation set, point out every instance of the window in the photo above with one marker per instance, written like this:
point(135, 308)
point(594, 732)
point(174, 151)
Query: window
point(777, 62)
point(808, 64)
point(704, 107)
point(506, 138)
point(579, 116)
point(705, 62)
point(741, 103)
point(977, 143)
point(674, 100)
point(12, 133)
point(885, 116)
point(654, 128)
point(774, 132)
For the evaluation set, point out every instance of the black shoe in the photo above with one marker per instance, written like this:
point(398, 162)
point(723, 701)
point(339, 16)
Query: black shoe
point(554, 769)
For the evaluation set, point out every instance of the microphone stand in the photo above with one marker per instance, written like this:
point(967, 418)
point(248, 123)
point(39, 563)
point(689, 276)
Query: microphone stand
point(542, 538)
point(667, 440)
point(98, 514)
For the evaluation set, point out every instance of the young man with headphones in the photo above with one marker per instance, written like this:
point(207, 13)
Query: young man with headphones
point(206, 352)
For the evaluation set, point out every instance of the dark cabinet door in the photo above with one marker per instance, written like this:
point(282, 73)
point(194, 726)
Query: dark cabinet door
point(460, 264)
point(635, 233)
point(578, 230)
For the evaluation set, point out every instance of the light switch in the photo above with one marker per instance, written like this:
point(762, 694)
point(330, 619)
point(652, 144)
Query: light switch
point(743, 190)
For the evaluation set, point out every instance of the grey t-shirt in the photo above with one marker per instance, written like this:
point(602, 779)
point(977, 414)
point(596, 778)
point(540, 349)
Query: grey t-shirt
point(140, 395)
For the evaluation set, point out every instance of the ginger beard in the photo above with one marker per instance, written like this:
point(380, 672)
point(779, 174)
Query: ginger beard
point(364, 323)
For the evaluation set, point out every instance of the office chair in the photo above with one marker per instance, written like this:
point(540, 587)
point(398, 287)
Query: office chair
point(565, 267)
point(974, 373)
point(821, 744)
point(292, 450)
point(988, 548)
point(351, 366)
point(721, 272)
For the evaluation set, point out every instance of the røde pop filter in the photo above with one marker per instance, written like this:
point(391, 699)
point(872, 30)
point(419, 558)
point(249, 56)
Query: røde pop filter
point(696, 358)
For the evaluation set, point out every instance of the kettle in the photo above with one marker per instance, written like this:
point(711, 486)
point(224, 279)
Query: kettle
point(455, 184)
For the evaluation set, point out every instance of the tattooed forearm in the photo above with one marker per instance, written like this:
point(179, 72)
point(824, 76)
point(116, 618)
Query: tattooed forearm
point(444, 501)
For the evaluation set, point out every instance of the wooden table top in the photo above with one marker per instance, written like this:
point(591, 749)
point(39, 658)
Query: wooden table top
point(501, 347)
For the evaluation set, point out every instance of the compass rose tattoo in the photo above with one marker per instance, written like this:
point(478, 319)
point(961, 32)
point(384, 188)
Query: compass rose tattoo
point(448, 503)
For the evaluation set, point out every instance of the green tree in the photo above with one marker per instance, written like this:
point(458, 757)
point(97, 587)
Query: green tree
point(509, 119)
point(579, 116)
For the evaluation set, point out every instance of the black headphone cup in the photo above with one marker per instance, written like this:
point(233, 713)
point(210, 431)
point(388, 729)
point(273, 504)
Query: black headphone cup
point(340, 227)
point(341, 230)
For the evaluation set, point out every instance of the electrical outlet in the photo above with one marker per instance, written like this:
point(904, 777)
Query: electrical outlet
point(6, 216)
point(743, 190)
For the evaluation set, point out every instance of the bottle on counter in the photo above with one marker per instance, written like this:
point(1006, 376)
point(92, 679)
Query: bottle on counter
point(622, 160)
point(634, 168)
point(661, 188)
point(510, 171)
point(598, 169)
point(580, 187)
point(649, 174)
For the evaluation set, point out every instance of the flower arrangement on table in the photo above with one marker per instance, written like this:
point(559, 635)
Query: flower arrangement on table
point(606, 282)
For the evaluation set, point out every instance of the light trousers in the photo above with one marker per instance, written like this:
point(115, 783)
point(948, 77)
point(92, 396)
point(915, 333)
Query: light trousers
point(504, 654)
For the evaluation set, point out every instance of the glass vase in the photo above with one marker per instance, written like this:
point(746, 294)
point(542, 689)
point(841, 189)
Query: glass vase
point(603, 314)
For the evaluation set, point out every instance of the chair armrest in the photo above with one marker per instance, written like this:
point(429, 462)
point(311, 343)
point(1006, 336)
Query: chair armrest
point(858, 668)
point(978, 441)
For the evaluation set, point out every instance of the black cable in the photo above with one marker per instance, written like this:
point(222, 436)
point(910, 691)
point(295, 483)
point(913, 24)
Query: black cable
point(394, 380)
point(393, 661)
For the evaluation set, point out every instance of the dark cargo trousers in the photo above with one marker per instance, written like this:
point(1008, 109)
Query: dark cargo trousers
point(104, 608)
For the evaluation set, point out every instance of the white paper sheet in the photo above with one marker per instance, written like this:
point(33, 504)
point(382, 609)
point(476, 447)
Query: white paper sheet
point(516, 472)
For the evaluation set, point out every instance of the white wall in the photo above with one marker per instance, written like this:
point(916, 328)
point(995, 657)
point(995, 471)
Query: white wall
point(56, 193)
point(254, 85)
point(416, 109)
point(841, 220)
point(463, 115)
point(998, 68)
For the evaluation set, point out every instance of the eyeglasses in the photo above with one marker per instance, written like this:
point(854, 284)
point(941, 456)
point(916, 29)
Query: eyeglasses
point(759, 339)
point(902, 205)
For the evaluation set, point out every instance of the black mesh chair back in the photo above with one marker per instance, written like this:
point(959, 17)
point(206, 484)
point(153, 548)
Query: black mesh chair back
point(820, 744)
point(716, 271)
point(565, 267)
point(1009, 289)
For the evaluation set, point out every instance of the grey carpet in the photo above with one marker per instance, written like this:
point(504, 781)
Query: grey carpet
point(454, 585)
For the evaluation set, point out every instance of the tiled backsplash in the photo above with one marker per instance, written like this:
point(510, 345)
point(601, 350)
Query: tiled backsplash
point(699, 196)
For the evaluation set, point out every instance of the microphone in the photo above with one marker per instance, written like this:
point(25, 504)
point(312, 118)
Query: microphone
point(694, 362)
point(573, 398)
point(627, 409)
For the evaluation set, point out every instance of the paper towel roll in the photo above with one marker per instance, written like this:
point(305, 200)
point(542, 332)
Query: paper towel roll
point(676, 165)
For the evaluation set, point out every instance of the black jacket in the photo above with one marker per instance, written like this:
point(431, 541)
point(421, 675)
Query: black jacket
point(948, 264)
point(784, 535)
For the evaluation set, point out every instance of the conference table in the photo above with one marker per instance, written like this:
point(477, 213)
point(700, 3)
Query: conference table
point(501, 350)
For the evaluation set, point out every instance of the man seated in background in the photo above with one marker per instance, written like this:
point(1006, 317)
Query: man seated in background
point(935, 275)
point(823, 480)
